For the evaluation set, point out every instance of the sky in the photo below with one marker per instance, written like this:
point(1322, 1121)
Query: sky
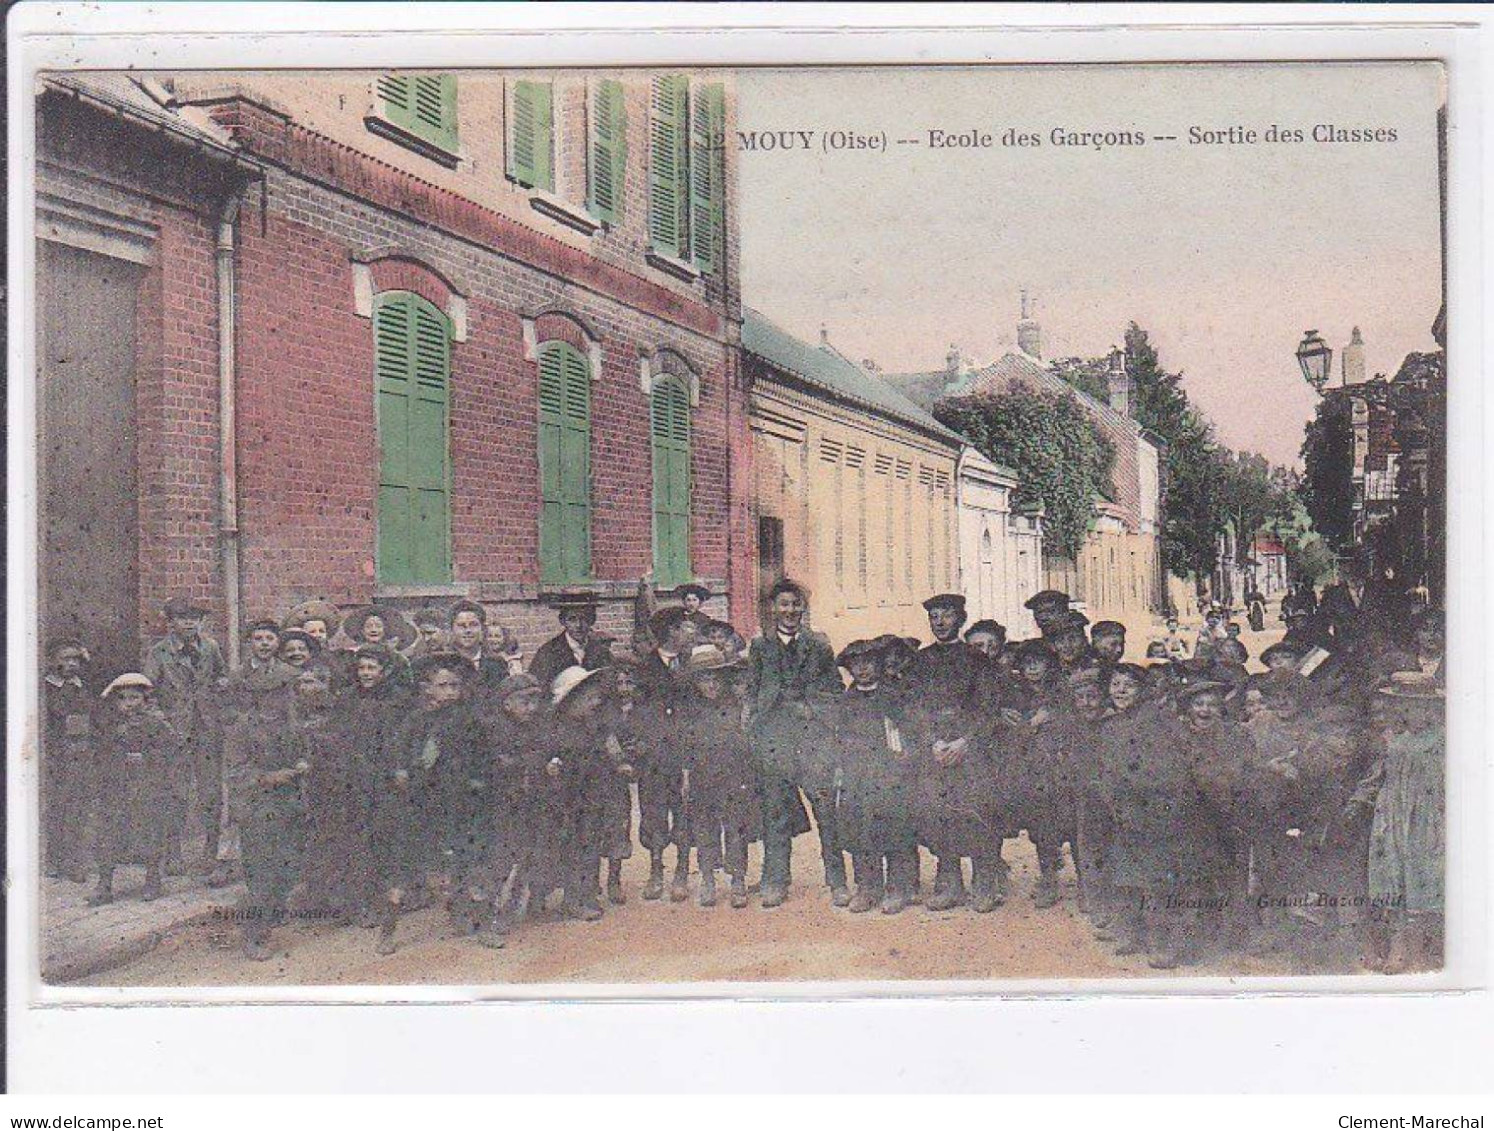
point(1225, 253)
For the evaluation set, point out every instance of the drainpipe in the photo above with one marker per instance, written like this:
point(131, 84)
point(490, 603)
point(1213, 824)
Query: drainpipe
point(228, 483)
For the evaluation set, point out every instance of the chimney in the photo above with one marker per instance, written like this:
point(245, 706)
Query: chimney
point(824, 337)
point(1029, 336)
point(1118, 382)
point(952, 361)
point(1353, 359)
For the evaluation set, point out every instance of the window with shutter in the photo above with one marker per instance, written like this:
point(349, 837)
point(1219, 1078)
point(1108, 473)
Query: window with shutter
point(423, 107)
point(607, 158)
point(412, 363)
point(531, 136)
point(707, 176)
point(671, 443)
point(565, 463)
point(668, 166)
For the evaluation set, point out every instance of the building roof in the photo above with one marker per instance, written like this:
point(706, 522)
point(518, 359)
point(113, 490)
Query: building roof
point(929, 386)
point(830, 373)
point(128, 97)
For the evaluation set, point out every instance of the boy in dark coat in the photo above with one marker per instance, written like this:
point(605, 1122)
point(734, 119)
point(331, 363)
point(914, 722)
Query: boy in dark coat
point(721, 798)
point(949, 687)
point(135, 753)
point(661, 807)
point(874, 810)
point(340, 748)
point(67, 760)
point(428, 800)
point(585, 766)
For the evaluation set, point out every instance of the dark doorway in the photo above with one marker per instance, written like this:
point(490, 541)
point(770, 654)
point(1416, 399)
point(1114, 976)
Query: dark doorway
point(769, 562)
point(90, 579)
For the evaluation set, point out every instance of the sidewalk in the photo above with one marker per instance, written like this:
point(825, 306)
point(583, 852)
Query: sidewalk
point(78, 941)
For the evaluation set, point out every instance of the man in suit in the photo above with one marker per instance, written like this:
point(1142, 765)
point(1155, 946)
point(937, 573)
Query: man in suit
point(793, 683)
point(578, 642)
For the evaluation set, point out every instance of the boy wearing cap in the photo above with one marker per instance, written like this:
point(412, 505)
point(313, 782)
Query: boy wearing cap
point(1049, 608)
point(949, 690)
point(135, 752)
point(265, 799)
point(256, 720)
point(794, 681)
point(185, 667)
point(67, 760)
point(874, 747)
point(526, 843)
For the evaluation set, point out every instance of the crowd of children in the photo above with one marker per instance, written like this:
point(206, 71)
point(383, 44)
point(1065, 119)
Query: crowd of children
point(1205, 808)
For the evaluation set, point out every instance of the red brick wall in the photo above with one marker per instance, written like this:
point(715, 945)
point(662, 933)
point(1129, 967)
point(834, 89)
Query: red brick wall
point(306, 442)
point(308, 448)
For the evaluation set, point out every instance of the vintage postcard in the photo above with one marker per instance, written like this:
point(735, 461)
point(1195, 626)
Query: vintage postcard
point(698, 527)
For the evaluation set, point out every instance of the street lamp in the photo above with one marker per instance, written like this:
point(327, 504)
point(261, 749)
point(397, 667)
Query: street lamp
point(1315, 358)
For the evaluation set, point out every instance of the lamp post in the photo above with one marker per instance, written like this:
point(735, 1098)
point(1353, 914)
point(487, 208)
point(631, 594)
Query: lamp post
point(1316, 359)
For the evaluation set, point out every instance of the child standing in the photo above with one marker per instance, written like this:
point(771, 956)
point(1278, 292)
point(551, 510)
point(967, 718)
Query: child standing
point(721, 800)
point(135, 753)
point(874, 782)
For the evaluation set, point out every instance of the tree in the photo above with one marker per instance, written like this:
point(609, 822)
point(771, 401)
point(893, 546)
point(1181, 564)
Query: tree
point(1048, 438)
point(1327, 488)
point(1195, 472)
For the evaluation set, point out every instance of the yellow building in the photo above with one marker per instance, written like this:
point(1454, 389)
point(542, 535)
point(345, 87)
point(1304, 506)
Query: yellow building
point(854, 488)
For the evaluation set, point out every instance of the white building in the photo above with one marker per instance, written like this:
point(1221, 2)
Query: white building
point(1001, 550)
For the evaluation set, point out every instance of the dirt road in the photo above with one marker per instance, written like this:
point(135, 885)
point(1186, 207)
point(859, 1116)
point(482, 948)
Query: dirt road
point(806, 939)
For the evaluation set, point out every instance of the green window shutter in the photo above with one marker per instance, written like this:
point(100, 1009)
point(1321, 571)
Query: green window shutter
point(607, 163)
point(565, 463)
point(412, 362)
point(531, 136)
point(671, 458)
point(668, 165)
point(707, 176)
point(425, 105)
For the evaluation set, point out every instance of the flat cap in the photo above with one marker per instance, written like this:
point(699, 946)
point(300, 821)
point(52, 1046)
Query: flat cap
point(1047, 599)
point(955, 601)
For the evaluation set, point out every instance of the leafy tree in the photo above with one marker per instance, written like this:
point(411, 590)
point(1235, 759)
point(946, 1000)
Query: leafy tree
point(1195, 472)
point(1089, 375)
point(1327, 488)
point(1063, 459)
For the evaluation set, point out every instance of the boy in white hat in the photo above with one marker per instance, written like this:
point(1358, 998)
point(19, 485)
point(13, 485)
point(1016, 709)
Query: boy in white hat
point(136, 749)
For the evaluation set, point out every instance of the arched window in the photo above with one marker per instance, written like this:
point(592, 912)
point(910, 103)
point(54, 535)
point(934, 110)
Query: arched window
point(565, 463)
point(412, 363)
point(670, 412)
